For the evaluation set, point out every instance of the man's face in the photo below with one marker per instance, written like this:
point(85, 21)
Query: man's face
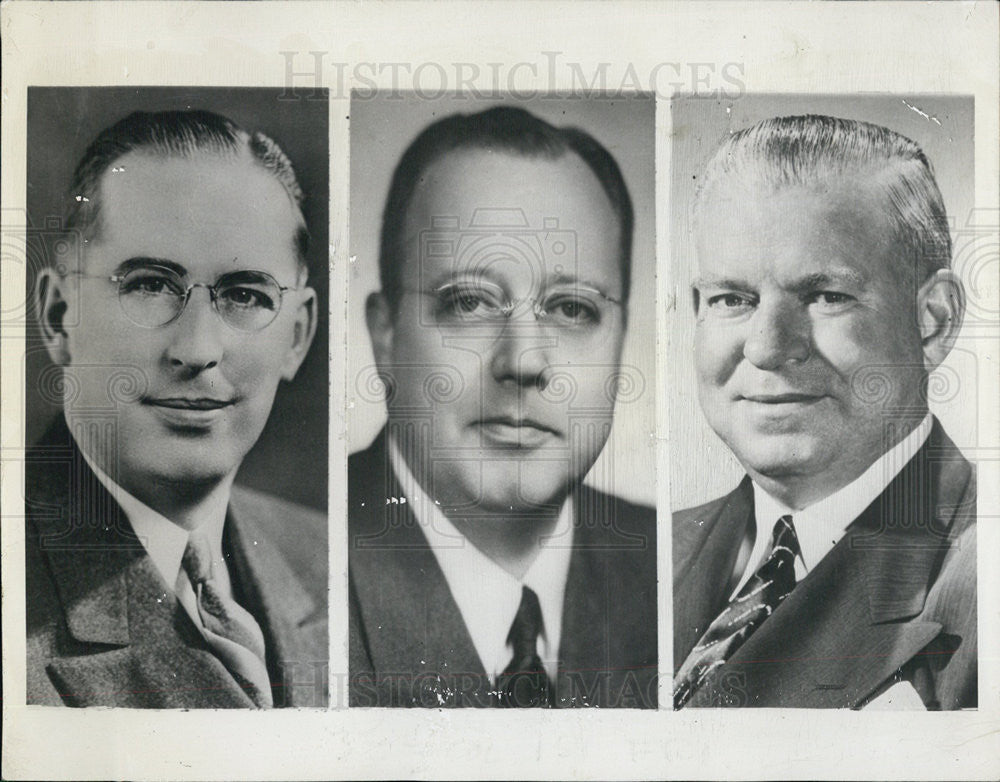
point(807, 331)
point(505, 347)
point(189, 398)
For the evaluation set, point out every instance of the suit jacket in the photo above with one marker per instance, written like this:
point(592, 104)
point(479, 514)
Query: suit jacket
point(894, 600)
point(410, 647)
point(104, 629)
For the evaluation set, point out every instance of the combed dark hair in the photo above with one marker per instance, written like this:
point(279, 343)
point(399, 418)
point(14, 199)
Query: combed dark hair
point(505, 129)
point(176, 134)
point(810, 150)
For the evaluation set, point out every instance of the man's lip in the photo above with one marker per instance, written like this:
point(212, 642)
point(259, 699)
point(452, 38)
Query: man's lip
point(780, 399)
point(189, 403)
point(517, 423)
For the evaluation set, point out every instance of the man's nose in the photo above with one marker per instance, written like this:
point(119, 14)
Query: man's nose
point(521, 353)
point(196, 336)
point(779, 334)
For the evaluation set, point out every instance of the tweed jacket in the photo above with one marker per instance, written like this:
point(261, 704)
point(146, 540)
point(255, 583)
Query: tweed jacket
point(104, 629)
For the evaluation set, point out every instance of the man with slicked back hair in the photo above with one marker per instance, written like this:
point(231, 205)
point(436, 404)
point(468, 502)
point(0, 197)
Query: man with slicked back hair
point(841, 572)
point(152, 580)
point(483, 572)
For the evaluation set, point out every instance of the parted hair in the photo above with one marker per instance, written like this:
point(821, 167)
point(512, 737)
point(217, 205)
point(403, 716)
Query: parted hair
point(810, 150)
point(176, 134)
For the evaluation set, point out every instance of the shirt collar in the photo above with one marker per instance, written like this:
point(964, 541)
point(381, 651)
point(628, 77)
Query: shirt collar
point(476, 581)
point(821, 525)
point(164, 540)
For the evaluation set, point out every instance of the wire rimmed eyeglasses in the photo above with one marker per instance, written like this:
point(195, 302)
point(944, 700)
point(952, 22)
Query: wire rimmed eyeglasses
point(152, 296)
point(477, 302)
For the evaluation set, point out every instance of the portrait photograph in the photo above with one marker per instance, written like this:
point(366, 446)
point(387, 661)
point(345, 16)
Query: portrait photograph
point(176, 389)
point(501, 502)
point(500, 390)
point(824, 408)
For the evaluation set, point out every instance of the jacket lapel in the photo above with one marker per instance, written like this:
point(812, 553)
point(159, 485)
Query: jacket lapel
point(294, 625)
point(128, 642)
point(420, 650)
point(607, 654)
point(706, 544)
point(856, 619)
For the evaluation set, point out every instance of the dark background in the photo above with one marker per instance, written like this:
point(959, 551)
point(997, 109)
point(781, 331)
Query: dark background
point(290, 459)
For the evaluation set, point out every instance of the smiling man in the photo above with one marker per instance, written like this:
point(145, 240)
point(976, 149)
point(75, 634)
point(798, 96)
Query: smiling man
point(842, 571)
point(482, 571)
point(152, 580)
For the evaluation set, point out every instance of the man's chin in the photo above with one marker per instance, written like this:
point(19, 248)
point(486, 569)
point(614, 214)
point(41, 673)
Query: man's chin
point(505, 489)
point(776, 456)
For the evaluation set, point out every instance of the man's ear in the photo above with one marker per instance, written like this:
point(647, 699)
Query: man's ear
point(940, 310)
point(51, 305)
point(381, 328)
point(302, 336)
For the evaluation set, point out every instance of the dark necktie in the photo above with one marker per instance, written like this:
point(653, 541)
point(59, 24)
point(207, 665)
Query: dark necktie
point(229, 629)
point(524, 681)
point(755, 602)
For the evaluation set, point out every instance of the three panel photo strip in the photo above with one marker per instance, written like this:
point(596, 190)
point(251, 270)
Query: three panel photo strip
point(527, 324)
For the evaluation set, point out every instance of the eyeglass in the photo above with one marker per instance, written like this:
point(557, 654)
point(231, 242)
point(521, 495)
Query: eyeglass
point(579, 308)
point(152, 296)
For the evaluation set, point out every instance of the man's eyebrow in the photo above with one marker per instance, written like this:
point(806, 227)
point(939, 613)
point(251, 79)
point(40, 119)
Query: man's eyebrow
point(708, 281)
point(841, 276)
point(141, 261)
point(575, 282)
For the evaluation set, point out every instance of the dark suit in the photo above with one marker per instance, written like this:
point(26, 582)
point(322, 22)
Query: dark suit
point(104, 629)
point(894, 600)
point(409, 645)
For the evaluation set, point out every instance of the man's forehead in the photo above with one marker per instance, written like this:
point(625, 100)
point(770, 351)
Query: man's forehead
point(540, 215)
point(467, 180)
point(839, 225)
point(194, 207)
point(150, 176)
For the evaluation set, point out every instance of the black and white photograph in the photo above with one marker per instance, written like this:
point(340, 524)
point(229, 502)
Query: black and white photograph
point(832, 562)
point(499, 389)
point(501, 522)
point(176, 399)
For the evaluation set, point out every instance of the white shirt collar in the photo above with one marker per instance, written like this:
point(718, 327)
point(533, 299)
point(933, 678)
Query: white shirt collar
point(821, 525)
point(164, 540)
point(478, 583)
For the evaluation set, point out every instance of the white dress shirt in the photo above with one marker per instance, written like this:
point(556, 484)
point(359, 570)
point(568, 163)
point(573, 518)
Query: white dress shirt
point(165, 542)
point(487, 595)
point(820, 525)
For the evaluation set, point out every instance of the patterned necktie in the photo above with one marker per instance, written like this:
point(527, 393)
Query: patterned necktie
point(524, 681)
point(755, 602)
point(228, 628)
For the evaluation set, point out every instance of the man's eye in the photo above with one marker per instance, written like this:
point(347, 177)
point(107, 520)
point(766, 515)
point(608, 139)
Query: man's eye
point(462, 301)
point(572, 310)
point(831, 300)
point(246, 298)
point(729, 302)
point(152, 285)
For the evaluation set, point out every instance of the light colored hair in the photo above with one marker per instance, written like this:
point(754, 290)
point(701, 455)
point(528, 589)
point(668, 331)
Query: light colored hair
point(811, 150)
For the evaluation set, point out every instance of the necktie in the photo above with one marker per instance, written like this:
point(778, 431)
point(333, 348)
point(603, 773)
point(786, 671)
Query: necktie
point(229, 628)
point(524, 681)
point(755, 602)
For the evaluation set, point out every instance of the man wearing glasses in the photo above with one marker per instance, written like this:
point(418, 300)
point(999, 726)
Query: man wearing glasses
point(482, 571)
point(152, 580)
